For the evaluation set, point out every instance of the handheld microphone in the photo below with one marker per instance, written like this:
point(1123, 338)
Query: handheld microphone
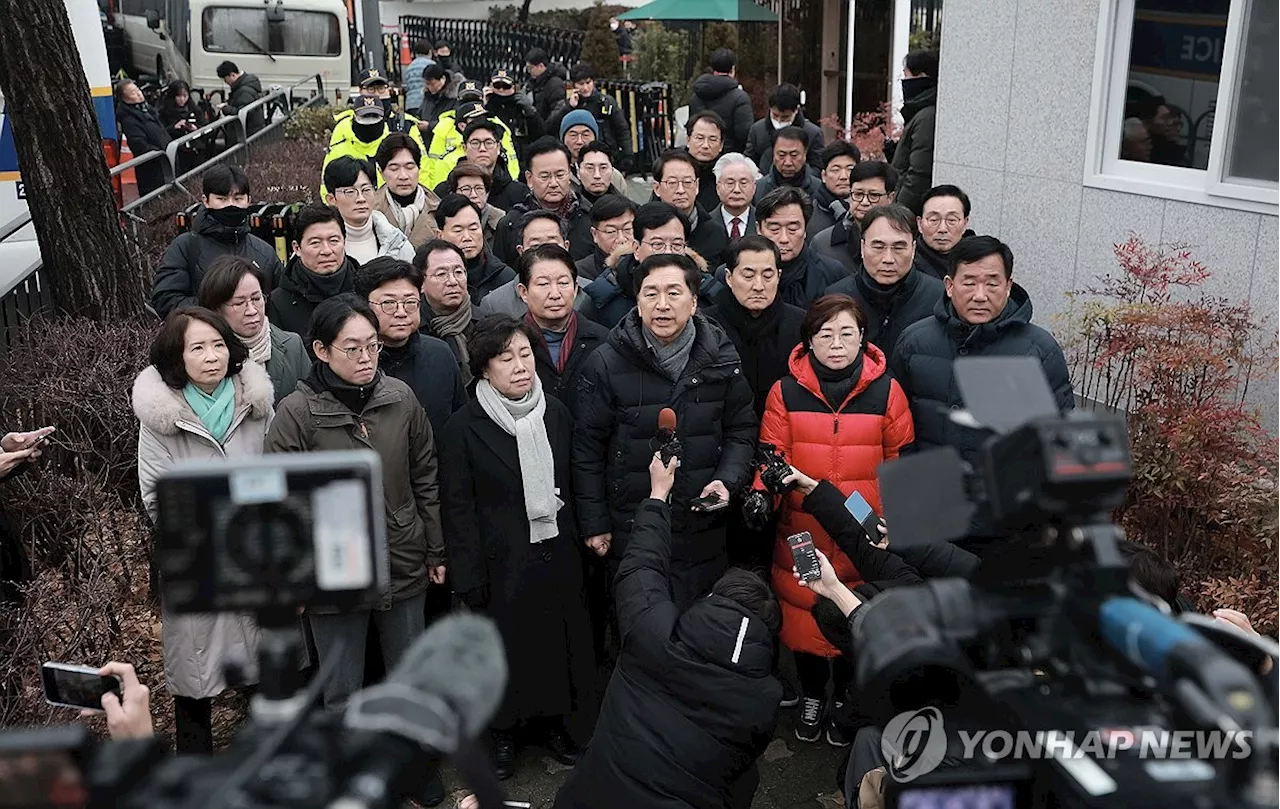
point(1216, 690)
point(442, 693)
point(668, 446)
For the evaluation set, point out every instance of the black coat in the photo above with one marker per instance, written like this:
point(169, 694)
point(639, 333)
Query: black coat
point(187, 259)
point(807, 277)
point(520, 114)
point(548, 89)
point(693, 701)
point(613, 293)
point(842, 242)
point(535, 591)
point(761, 136)
point(890, 311)
point(581, 244)
point(764, 343)
point(913, 157)
point(809, 181)
point(296, 297)
point(246, 90)
point(142, 128)
point(827, 208)
point(561, 383)
point(507, 192)
point(614, 130)
point(723, 95)
point(486, 273)
point(709, 238)
point(931, 261)
point(619, 394)
point(428, 367)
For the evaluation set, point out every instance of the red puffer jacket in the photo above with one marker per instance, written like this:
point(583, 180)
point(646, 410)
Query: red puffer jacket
point(841, 444)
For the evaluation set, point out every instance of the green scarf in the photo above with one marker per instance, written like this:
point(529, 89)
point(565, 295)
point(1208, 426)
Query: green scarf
point(214, 410)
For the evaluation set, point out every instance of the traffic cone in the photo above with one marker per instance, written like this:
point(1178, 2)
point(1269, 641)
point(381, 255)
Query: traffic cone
point(405, 56)
point(127, 177)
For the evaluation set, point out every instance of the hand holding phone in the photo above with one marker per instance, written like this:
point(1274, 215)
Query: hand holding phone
point(71, 686)
point(868, 520)
point(13, 442)
point(805, 555)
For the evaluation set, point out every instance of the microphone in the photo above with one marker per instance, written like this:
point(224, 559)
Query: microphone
point(1216, 690)
point(441, 694)
point(668, 446)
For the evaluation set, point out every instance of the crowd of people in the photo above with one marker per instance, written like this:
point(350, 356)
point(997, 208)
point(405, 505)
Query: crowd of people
point(479, 301)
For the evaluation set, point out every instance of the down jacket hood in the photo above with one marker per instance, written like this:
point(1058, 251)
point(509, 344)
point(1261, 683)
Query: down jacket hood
point(725, 635)
point(391, 239)
point(160, 407)
point(1017, 312)
point(873, 367)
point(710, 86)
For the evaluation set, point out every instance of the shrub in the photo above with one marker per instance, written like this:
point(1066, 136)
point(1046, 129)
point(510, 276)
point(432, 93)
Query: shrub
point(662, 55)
point(600, 45)
point(1150, 342)
point(870, 130)
point(310, 123)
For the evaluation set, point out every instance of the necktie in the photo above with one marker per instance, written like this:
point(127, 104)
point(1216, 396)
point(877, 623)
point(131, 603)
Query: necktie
point(735, 228)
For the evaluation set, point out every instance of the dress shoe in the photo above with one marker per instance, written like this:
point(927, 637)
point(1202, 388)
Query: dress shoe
point(504, 755)
point(562, 747)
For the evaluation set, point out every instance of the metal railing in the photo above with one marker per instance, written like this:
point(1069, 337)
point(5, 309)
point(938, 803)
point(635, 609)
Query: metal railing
point(26, 292)
point(484, 47)
point(926, 15)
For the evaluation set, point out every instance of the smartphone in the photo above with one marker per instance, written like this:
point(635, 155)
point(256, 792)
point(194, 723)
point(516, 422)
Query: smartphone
point(77, 686)
point(861, 510)
point(708, 503)
point(805, 556)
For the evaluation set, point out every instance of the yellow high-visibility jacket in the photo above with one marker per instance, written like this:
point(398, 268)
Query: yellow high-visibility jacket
point(447, 149)
point(344, 143)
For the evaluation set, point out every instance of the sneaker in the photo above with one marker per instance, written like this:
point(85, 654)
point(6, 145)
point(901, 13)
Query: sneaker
point(809, 728)
point(835, 737)
point(790, 698)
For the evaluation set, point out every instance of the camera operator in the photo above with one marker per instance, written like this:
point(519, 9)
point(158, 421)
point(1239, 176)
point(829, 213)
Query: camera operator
point(693, 701)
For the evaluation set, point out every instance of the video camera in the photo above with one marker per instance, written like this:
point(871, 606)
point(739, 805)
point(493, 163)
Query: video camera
point(1046, 648)
point(267, 536)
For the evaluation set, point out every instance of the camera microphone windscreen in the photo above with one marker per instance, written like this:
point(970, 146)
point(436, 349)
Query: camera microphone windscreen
point(1004, 393)
point(666, 422)
point(924, 497)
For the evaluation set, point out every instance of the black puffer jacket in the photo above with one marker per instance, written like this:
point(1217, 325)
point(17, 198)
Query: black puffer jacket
point(561, 382)
point(485, 273)
point(762, 134)
point(890, 310)
point(806, 277)
point(764, 342)
point(693, 701)
point(722, 94)
point(548, 89)
point(930, 260)
point(619, 394)
point(505, 240)
point(244, 92)
point(914, 156)
point(297, 296)
point(925, 355)
point(427, 365)
point(807, 181)
point(187, 259)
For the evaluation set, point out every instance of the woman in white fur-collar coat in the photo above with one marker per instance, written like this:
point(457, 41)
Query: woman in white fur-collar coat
point(200, 399)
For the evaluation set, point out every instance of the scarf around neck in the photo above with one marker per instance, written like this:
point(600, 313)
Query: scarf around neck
point(452, 328)
point(752, 327)
point(260, 345)
point(215, 410)
point(560, 356)
point(319, 288)
point(524, 419)
point(672, 358)
point(352, 397)
point(837, 385)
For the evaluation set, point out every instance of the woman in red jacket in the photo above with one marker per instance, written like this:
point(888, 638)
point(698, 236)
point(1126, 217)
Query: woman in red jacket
point(837, 416)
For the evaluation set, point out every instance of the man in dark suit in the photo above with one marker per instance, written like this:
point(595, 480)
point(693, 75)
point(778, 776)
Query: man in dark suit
point(736, 178)
point(675, 182)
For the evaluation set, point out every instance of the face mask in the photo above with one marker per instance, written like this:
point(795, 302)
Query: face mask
point(916, 85)
point(613, 26)
point(232, 216)
point(780, 124)
point(388, 104)
point(368, 133)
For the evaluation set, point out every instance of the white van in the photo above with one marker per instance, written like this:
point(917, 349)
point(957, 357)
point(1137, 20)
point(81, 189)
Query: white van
point(280, 41)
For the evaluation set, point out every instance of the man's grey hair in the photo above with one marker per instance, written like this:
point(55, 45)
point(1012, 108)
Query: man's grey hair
point(733, 158)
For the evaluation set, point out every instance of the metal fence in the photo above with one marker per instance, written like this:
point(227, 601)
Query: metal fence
point(926, 15)
point(650, 113)
point(483, 48)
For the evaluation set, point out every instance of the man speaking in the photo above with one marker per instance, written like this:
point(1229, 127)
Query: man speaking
point(693, 700)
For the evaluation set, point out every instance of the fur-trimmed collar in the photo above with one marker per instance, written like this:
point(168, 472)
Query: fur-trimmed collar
point(160, 407)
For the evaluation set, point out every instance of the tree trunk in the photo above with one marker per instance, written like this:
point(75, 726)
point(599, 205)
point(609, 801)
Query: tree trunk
point(55, 131)
point(524, 11)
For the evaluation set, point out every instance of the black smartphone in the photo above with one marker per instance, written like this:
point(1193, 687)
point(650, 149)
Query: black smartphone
point(866, 517)
point(73, 686)
point(708, 503)
point(805, 556)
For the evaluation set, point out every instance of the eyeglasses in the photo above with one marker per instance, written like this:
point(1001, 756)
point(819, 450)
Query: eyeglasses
point(662, 246)
point(468, 190)
point(847, 338)
point(933, 220)
point(548, 176)
point(356, 192)
point(674, 183)
point(487, 143)
point(441, 276)
point(239, 304)
point(389, 307)
point(867, 196)
point(355, 352)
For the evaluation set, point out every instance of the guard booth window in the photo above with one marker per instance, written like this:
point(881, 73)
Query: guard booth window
point(227, 29)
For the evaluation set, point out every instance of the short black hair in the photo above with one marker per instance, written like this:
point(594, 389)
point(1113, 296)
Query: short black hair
point(653, 215)
point(546, 145)
point(899, 217)
point(168, 346)
point(423, 47)
point(315, 213)
point(393, 143)
point(466, 168)
point(595, 146)
point(535, 56)
point(1151, 571)
point(224, 180)
point(782, 196)
point(542, 213)
point(581, 72)
point(333, 313)
point(840, 148)
point(610, 206)
point(793, 133)
point(544, 252)
point(343, 172)
point(946, 191)
point(450, 207)
point(975, 248)
point(223, 276)
point(226, 68)
point(692, 275)
point(476, 124)
point(433, 71)
point(870, 169)
point(749, 591)
point(705, 115)
point(723, 60)
point(784, 97)
point(491, 337)
point(754, 243)
point(434, 245)
point(922, 63)
point(443, 43)
point(673, 156)
point(383, 270)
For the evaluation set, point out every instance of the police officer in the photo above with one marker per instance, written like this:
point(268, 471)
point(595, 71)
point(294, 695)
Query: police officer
point(514, 107)
point(446, 143)
point(614, 129)
point(359, 131)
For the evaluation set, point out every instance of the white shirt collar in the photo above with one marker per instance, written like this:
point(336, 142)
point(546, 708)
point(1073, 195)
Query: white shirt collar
point(728, 220)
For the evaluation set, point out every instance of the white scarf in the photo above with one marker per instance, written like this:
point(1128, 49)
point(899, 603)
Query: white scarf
point(406, 215)
point(259, 346)
point(523, 418)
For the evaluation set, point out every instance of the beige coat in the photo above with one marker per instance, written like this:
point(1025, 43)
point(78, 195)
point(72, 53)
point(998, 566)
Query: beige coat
point(424, 227)
point(197, 647)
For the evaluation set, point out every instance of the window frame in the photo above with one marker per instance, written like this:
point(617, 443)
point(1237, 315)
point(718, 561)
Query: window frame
point(1103, 167)
point(204, 46)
